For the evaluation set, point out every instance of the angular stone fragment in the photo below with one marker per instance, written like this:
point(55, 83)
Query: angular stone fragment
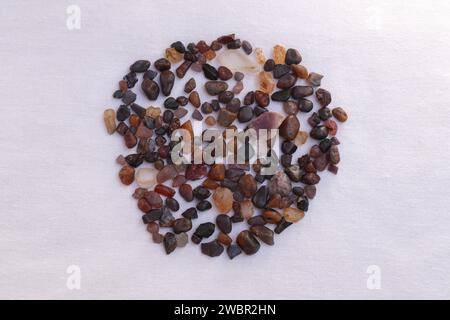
point(248, 242)
point(263, 233)
point(212, 249)
point(215, 87)
point(279, 184)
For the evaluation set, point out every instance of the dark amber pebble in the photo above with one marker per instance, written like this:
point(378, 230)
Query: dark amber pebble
point(134, 160)
point(310, 178)
point(280, 70)
point(224, 73)
point(164, 190)
point(166, 80)
point(269, 65)
point(190, 85)
point(162, 64)
point(262, 98)
point(186, 192)
point(225, 96)
point(286, 81)
point(183, 69)
point(263, 233)
point(248, 242)
point(319, 132)
point(289, 127)
point(247, 185)
point(150, 88)
point(281, 226)
point(215, 87)
point(249, 98)
point(223, 222)
point(196, 171)
point(257, 221)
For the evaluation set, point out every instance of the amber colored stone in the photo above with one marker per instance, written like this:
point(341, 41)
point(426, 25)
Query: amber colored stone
point(293, 214)
point(126, 175)
point(301, 138)
point(210, 54)
point(188, 126)
point(300, 71)
point(248, 242)
point(224, 239)
point(143, 205)
point(260, 57)
point(266, 82)
point(130, 139)
point(272, 216)
point(173, 55)
point(223, 199)
point(210, 121)
point(210, 184)
point(109, 117)
point(194, 99)
point(279, 54)
point(217, 172)
point(247, 185)
point(164, 190)
point(340, 114)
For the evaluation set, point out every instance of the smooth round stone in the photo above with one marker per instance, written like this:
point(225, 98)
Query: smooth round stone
point(247, 185)
point(263, 233)
point(234, 105)
point(212, 249)
point(279, 184)
point(166, 80)
point(290, 127)
point(298, 92)
point(150, 88)
point(146, 177)
point(210, 72)
point(190, 213)
point(203, 205)
point(182, 225)
point(293, 214)
point(323, 96)
point(226, 117)
point(305, 105)
point(286, 81)
point(140, 66)
point(260, 197)
point(319, 132)
point(182, 239)
point(215, 87)
point(290, 107)
point(172, 204)
point(157, 238)
point(224, 73)
point(238, 76)
point(201, 193)
point(223, 222)
point(185, 191)
point(248, 242)
point(225, 96)
point(262, 99)
point(166, 173)
point(245, 114)
point(223, 199)
point(280, 70)
point(288, 147)
point(293, 57)
point(162, 64)
point(269, 65)
point(217, 172)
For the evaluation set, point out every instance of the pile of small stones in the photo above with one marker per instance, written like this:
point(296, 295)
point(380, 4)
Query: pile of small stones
point(239, 192)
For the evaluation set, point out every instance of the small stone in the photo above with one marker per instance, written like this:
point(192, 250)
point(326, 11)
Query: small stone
point(204, 205)
point(266, 82)
point(167, 173)
point(281, 226)
point(146, 177)
point(152, 227)
point(315, 79)
point(247, 210)
point(238, 87)
point(289, 128)
point(238, 76)
point(123, 112)
point(224, 239)
point(151, 215)
point(320, 162)
point(121, 160)
point(167, 219)
point(280, 70)
point(157, 238)
point(235, 44)
point(245, 114)
point(210, 72)
point(334, 155)
point(126, 175)
point(300, 71)
point(162, 64)
point(233, 105)
point(249, 98)
point(324, 113)
point(286, 81)
point(190, 85)
point(224, 73)
point(134, 160)
point(183, 68)
point(271, 216)
point(201, 193)
point(172, 204)
point(206, 107)
point(247, 47)
point(223, 199)
point(319, 132)
point(212, 249)
point(310, 191)
point(279, 184)
point(223, 222)
point(210, 184)
point(305, 105)
point(281, 95)
point(263, 233)
point(210, 121)
point(150, 88)
point(293, 57)
point(279, 54)
point(303, 204)
point(257, 221)
point(196, 171)
point(260, 197)
point(233, 251)
point(260, 57)
point(153, 112)
point(170, 242)
point(164, 190)
point(267, 121)
point(179, 46)
point(323, 96)
point(109, 117)
point(293, 214)
point(311, 178)
point(129, 97)
point(301, 138)
point(186, 192)
point(248, 242)
point(182, 225)
point(247, 185)
point(182, 239)
point(209, 55)
point(143, 132)
point(154, 199)
point(204, 230)
point(331, 126)
point(166, 80)
point(215, 87)
point(333, 168)
point(130, 139)
point(190, 213)
point(150, 74)
point(196, 115)
point(299, 92)
point(180, 113)
point(173, 55)
point(225, 117)
point(262, 98)
point(290, 107)
point(338, 113)
point(269, 65)
point(294, 173)
point(140, 66)
point(217, 172)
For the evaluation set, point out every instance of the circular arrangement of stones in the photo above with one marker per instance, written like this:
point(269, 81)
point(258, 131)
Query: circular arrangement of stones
point(266, 204)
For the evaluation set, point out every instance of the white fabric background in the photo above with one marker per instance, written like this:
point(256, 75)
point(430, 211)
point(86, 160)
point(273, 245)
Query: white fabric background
point(61, 204)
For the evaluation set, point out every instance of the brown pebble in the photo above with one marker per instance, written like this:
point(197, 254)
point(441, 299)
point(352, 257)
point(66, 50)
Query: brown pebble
point(226, 118)
point(248, 242)
point(290, 107)
point(126, 175)
point(247, 185)
point(238, 87)
point(194, 99)
point(210, 184)
point(130, 139)
point(293, 214)
point(300, 71)
point(186, 193)
point(224, 73)
point(167, 173)
point(190, 85)
point(223, 199)
point(340, 114)
point(224, 239)
point(271, 216)
point(290, 127)
point(178, 181)
point(109, 117)
point(210, 121)
point(263, 233)
point(157, 238)
point(262, 98)
point(152, 227)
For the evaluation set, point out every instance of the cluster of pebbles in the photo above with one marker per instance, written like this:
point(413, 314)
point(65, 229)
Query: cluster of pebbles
point(268, 204)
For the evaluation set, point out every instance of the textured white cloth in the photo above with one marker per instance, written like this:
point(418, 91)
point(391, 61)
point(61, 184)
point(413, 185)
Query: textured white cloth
point(61, 203)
